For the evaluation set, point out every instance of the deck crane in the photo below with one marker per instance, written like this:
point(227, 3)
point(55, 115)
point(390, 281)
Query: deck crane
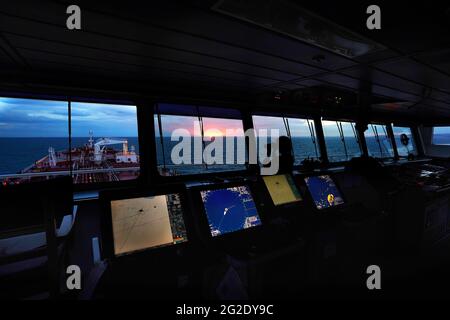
point(100, 144)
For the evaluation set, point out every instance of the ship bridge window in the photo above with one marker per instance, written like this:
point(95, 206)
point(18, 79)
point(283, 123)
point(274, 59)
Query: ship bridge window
point(301, 131)
point(441, 136)
point(194, 140)
point(33, 136)
point(341, 140)
point(104, 141)
point(379, 143)
point(37, 143)
point(402, 149)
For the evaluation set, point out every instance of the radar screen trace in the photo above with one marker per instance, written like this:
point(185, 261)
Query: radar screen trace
point(324, 191)
point(147, 222)
point(282, 189)
point(230, 209)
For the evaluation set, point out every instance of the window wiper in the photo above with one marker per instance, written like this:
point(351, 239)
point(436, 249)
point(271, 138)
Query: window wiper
point(341, 133)
point(161, 141)
point(356, 135)
point(377, 139)
point(388, 138)
point(288, 131)
point(200, 120)
point(313, 136)
point(69, 111)
point(286, 126)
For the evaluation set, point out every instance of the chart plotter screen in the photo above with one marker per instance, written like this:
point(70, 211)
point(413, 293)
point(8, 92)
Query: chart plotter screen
point(147, 222)
point(230, 209)
point(324, 191)
point(282, 189)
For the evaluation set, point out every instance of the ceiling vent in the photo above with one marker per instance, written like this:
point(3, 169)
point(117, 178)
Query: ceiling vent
point(289, 19)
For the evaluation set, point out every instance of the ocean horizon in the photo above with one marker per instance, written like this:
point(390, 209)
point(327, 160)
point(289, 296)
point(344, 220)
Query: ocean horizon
point(19, 153)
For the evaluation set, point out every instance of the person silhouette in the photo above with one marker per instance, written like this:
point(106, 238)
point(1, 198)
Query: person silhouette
point(286, 160)
point(286, 157)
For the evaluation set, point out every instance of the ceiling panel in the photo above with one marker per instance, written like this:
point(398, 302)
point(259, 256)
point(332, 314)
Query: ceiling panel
point(149, 56)
point(341, 80)
point(128, 80)
point(178, 25)
point(392, 81)
point(103, 31)
point(145, 66)
point(439, 58)
point(417, 72)
point(5, 60)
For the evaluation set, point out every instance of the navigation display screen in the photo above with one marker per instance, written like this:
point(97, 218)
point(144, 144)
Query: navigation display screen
point(324, 191)
point(230, 209)
point(147, 222)
point(282, 189)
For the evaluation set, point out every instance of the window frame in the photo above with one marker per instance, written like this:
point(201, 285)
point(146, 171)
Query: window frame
point(413, 138)
point(432, 136)
point(293, 116)
point(389, 136)
point(157, 177)
point(122, 183)
point(148, 174)
point(332, 164)
point(68, 100)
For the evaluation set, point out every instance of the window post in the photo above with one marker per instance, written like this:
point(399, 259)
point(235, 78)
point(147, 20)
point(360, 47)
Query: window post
point(321, 140)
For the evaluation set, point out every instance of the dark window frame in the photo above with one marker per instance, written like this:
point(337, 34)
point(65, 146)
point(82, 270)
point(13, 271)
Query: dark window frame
point(293, 116)
point(331, 164)
point(158, 178)
point(391, 138)
point(414, 137)
point(432, 135)
point(68, 100)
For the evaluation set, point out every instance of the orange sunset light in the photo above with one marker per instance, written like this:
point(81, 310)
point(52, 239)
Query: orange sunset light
point(213, 132)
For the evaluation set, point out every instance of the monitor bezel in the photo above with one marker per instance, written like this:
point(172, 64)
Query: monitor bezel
point(311, 198)
point(286, 204)
point(204, 222)
point(107, 237)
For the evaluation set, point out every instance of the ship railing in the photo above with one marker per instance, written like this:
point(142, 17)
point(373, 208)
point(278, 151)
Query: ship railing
point(64, 173)
point(112, 172)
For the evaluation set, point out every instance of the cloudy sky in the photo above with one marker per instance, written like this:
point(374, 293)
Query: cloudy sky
point(42, 118)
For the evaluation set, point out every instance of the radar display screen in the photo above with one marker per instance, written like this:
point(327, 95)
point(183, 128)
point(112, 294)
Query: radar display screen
point(147, 222)
point(282, 189)
point(324, 191)
point(230, 209)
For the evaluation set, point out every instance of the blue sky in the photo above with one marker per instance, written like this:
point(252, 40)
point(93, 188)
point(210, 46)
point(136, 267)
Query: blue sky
point(43, 118)
point(442, 130)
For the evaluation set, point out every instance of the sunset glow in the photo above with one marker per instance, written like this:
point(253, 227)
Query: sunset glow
point(214, 133)
point(212, 127)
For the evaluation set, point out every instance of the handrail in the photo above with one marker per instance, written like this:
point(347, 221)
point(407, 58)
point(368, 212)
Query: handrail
point(65, 172)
